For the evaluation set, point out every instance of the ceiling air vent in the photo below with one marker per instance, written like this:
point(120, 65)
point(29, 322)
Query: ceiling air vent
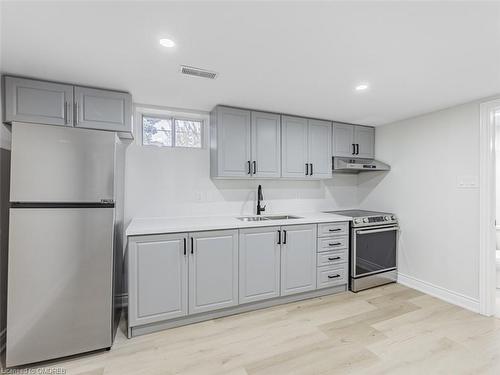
point(197, 72)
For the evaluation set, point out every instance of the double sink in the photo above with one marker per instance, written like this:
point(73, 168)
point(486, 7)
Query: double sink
point(264, 218)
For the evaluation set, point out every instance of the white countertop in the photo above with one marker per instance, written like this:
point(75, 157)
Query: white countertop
point(159, 225)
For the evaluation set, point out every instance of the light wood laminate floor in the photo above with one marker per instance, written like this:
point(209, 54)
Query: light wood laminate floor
point(386, 330)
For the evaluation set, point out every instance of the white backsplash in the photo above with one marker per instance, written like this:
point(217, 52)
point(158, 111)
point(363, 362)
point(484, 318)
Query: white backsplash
point(176, 182)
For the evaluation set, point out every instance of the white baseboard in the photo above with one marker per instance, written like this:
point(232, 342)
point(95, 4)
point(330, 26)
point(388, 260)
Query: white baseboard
point(439, 292)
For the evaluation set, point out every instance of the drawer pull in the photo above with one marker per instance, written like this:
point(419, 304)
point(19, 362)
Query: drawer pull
point(333, 277)
point(335, 244)
point(334, 258)
point(334, 230)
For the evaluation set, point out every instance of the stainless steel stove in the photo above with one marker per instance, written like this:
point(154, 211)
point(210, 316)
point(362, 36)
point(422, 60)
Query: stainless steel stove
point(373, 248)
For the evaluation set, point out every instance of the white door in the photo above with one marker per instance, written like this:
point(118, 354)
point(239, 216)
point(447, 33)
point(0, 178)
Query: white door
point(343, 140)
point(298, 259)
point(233, 142)
point(266, 144)
point(320, 149)
point(259, 258)
point(364, 137)
point(213, 270)
point(158, 278)
point(40, 102)
point(103, 109)
point(294, 147)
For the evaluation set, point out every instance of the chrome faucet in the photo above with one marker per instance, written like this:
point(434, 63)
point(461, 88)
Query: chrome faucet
point(259, 199)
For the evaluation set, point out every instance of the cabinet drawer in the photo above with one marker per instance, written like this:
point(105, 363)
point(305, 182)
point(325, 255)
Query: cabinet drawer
point(333, 243)
point(329, 258)
point(332, 229)
point(331, 276)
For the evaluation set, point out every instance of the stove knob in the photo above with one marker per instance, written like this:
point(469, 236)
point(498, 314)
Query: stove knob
point(393, 217)
point(356, 221)
point(365, 220)
point(387, 218)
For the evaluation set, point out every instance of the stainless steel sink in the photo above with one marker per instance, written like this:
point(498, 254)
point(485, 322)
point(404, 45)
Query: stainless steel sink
point(252, 218)
point(263, 218)
point(282, 217)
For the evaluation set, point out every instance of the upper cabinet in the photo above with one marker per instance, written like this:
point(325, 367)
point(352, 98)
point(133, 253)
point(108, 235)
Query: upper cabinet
point(266, 144)
point(354, 141)
point(244, 143)
point(103, 109)
point(42, 102)
point(253, 144)
point(364, 138)
point(306, 148)
point(294, 147)
point(320, 148)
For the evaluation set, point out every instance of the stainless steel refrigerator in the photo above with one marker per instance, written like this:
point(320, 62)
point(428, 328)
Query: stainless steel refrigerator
point(65, 239)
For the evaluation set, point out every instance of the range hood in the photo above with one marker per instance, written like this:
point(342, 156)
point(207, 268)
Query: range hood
point(348, 165)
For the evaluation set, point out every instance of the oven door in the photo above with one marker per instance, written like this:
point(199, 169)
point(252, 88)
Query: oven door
point(374, 250)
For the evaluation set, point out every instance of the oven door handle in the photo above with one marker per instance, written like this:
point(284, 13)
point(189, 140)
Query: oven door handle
point(368, 231)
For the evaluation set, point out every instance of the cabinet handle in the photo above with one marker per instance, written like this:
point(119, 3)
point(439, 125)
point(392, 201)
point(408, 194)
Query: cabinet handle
point(312, 169)
point(333, 277)
point(254, 167)
point(284, 237)
point(335, 244)
point(184, 245)
point(76, 113)
point(65, 112)
point(192, 246)
point(279, 237)
point(357, 148)
point(334, 230)
point(249, 167)
point(353, 149)
point(334, 258)
point(307, 169)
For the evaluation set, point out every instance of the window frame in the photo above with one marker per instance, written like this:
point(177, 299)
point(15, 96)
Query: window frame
point(172, 115)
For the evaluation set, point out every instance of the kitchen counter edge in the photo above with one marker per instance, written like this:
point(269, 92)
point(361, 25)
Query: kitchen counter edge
point(168, 225)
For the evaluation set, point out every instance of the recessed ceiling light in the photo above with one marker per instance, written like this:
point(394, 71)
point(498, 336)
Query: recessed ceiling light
point(362, 87)
point(169, 43)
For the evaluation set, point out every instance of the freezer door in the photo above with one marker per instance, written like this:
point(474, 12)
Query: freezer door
point(59, 299)
point(57, 164)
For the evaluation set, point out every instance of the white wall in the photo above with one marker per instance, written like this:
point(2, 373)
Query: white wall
point(429, 155)
point(176, 182)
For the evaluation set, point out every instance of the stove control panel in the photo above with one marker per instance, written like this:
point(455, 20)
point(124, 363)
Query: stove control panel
point(374, 220)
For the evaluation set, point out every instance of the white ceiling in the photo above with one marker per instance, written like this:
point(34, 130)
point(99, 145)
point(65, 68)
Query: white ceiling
point(294, 57)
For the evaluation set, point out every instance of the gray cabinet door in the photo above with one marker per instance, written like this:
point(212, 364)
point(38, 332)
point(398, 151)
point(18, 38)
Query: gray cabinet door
point(103, 110)
point(298, 259)
point(158, 278)
point(343, 140)
point(233, 142)
point(294, 146)
point(259, 258)
point(364, 137)
point(266, 144)
point(320, 148)
point(213, 270)
point(39, 102)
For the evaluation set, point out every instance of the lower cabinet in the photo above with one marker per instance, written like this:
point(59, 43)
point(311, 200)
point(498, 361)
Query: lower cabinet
point(172, 276)
point(158, 278)
point(259, 270)
point(213, 270)
point(298, 259)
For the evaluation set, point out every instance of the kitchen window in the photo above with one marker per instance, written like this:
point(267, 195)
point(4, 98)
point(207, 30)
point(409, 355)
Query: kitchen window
point(171, 131)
